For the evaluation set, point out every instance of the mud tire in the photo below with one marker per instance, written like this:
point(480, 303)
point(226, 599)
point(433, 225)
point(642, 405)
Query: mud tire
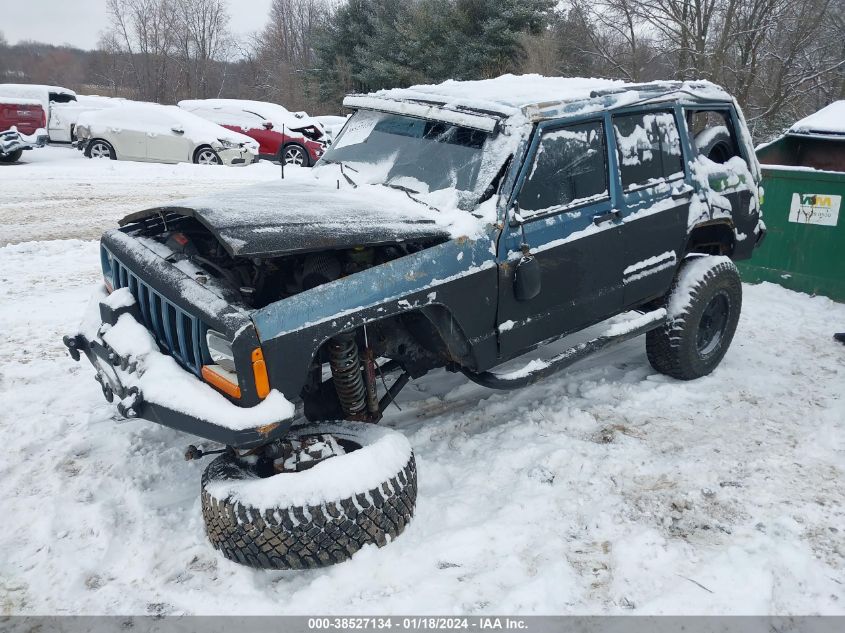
point(676, 349)
point(308, 536)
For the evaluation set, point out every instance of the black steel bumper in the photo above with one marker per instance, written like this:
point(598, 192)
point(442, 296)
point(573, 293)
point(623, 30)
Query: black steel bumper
point(131, 402)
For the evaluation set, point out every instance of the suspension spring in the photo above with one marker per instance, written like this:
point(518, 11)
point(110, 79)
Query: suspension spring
point(346, 372)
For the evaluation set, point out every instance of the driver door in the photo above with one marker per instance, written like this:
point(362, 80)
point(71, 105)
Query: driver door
point(564, 213)
point(165, 143)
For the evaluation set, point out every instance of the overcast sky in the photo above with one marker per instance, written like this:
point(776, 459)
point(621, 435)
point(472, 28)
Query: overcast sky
point(79, 22)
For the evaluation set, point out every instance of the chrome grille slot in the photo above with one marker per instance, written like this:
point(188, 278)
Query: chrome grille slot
point(177, 332)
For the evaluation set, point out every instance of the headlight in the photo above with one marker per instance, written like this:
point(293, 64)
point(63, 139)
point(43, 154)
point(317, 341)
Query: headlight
point(228, 144)
point(107, 264)
point(220, 350)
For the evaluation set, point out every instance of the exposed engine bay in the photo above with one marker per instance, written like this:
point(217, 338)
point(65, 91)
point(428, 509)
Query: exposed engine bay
point(257, 282)
point(347, 377)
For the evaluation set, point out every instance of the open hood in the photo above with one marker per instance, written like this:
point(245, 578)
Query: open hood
point(287, 217)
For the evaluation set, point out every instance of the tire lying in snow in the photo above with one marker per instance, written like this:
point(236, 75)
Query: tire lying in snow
point(703, 308)
point(315, 517)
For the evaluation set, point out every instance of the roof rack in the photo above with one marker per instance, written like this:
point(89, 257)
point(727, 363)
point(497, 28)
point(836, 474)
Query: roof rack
point(426, 110)
point(651, 86)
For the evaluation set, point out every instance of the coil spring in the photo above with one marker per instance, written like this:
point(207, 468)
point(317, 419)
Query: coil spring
point(346, 371)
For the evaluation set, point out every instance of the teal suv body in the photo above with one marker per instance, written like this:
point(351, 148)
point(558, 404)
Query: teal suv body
point(457, 226)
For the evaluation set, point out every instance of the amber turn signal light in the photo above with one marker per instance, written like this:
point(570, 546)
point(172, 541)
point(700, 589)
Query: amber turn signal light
point(213, 376)
point(259, 371)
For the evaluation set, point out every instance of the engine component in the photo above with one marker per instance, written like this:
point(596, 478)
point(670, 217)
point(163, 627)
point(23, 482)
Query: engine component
point(345, 365)
point(180, 243)
point(318, 269)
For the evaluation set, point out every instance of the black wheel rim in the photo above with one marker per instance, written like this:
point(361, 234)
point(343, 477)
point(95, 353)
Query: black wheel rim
point(714, 322)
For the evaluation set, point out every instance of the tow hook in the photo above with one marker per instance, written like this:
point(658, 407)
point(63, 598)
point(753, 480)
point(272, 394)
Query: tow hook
point(72, 347)
point(128, 407)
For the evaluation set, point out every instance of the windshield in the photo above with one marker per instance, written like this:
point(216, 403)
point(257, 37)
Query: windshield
point(418, 155)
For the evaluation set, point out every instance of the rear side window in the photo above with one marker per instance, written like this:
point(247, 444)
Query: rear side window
point(649, 148)
point(61, 97)
point(712, 134)
point(570, 167)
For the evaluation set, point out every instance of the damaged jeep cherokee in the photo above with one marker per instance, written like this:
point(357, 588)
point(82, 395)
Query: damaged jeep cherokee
point(455, 226)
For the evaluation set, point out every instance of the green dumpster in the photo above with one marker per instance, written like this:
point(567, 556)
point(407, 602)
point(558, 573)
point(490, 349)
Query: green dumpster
point(804, 185)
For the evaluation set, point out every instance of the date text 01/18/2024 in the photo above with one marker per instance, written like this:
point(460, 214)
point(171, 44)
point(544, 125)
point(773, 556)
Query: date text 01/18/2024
point(417, 623)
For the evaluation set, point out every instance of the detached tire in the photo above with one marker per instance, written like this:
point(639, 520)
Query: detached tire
point(315, 517)
point(703, 311)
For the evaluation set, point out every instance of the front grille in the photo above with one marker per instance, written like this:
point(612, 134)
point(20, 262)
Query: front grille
point(177, 332)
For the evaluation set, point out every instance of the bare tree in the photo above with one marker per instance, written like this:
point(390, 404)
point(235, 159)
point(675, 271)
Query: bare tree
point(3, 47)
point(285, 52)
point(780, 58)
point(142, 35)
point(201, 30)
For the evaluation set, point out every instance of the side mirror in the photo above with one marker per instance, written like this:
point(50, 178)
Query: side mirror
point(267, 125)
point(177, 130)
point(527, 277)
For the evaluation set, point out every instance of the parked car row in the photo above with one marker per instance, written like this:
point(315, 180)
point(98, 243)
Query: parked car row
point(202, 131)
point(156, 133)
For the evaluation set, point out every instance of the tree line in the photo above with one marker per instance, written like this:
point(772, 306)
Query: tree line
point(781, 58)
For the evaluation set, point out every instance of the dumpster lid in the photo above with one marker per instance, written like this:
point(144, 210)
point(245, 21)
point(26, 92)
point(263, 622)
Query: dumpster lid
point(829, 121)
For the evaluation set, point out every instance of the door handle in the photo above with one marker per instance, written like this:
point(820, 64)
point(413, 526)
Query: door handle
point(681, 193)
point(601, 218)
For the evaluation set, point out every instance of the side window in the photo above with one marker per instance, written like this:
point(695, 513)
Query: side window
point(648, 147)
point(570, 167)
point(712, 134)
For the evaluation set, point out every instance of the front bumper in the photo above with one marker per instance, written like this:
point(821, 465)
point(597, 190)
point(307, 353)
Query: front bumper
point(150, 385)
point(237, 157)
point(11, 141)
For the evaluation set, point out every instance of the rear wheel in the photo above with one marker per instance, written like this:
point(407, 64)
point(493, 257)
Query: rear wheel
point(330, 490)
point(294, 154)
point(12, 157)
point(207, 156)
point(99, 148)
point(704, 307)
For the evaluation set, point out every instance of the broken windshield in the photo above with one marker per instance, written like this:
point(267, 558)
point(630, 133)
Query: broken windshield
point(416, 155)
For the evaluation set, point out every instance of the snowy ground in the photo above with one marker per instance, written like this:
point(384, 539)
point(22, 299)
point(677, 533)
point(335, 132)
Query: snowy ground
point(608, 489)
point(56, 193)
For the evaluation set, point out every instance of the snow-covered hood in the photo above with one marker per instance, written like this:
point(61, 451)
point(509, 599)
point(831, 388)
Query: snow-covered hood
point(287, 217)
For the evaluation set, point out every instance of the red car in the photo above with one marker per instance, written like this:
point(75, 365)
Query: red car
point(23, 124)
point(293, 137)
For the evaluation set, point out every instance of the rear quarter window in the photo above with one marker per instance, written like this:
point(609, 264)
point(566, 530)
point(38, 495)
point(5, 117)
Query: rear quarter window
point(648, 147)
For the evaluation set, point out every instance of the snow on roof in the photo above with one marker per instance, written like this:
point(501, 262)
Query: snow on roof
point(155, 118)
point(19, 101)
point(510, 94)
point(268, 111)
point(32, 88)
point(828, 120)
